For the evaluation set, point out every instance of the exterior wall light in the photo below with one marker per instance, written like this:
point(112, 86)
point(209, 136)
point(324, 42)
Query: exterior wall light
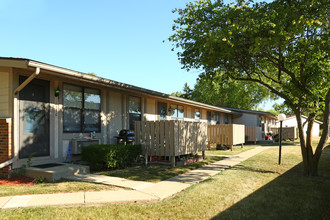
point(57, 92)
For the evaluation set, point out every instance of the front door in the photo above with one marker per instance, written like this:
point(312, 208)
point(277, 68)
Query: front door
point(34, 119)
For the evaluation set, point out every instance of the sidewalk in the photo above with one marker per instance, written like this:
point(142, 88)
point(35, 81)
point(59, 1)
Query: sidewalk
point(137, 190)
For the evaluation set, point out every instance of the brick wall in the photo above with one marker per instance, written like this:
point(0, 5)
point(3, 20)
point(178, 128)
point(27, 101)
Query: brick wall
point(5, 145)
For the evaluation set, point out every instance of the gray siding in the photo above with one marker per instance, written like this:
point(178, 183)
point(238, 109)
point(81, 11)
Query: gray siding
point(247, 120)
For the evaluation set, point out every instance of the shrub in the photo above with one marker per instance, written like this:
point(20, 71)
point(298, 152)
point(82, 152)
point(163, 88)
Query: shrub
point(110, 156)
point(39, 179)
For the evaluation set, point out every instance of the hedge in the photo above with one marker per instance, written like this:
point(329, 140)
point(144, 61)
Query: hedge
point(105, 156)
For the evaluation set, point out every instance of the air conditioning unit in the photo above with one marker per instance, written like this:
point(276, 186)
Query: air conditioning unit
point(77, 144)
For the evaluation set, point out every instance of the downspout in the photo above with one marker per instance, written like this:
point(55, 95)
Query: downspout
point(20, 87)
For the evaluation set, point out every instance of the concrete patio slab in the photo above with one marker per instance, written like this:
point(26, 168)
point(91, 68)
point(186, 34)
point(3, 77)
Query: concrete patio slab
point(56, 172)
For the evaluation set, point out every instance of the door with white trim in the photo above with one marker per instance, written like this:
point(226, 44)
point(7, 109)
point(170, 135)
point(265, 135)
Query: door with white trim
point(34, 119)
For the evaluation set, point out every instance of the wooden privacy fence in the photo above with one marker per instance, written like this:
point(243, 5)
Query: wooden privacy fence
point(227, 134)
point(287, 132)
point(251, 134)
point(171, 138)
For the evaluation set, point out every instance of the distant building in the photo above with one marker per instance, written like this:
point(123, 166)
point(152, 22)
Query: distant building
point(291, 121)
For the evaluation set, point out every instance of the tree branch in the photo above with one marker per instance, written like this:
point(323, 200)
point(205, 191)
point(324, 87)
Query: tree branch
point(280, 65)
point(289, 102)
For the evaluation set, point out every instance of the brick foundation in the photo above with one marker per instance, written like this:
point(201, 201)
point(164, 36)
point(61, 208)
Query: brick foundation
point(5, 145)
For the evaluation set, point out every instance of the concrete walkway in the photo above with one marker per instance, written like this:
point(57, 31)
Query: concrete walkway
point(137, 190)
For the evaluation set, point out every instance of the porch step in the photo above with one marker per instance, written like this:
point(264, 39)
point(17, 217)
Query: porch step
point(54, 172)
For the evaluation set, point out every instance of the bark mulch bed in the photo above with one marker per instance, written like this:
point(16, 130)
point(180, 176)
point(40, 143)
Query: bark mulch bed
point(23, 181)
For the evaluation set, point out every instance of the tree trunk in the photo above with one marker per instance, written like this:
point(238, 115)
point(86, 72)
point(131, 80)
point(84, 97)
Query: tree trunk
point(302, 140)
point(310, 159)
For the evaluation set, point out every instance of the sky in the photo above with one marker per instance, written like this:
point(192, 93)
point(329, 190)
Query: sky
point(117, 40)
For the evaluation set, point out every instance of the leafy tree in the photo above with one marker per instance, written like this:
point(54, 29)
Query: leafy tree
point(177, 94)
point(283, 108)
point(91, 73)
point(223, 91)
point(185, 94)
point(283, 45)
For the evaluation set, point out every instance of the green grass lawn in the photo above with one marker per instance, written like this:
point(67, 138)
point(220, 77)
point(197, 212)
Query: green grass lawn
point(156, 173)
point(236, 150)
point(44, 188)
point(257, 188)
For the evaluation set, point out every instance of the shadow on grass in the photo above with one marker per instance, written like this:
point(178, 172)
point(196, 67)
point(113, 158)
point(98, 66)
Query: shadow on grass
point(158, 172)
point(245, 168)
point(290, 196)
point(285, 143)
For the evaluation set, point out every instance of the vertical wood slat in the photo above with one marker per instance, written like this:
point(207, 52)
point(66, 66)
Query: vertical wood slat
point(157, 133)
point(162, 138)
point(185, 147)
point(167, 138)
point(152, 137)
point(171, 138)
point(143, 137)
point(251, 132)
point(178, 141)
point(147, 132)
point(228, 134)
point(287, 132)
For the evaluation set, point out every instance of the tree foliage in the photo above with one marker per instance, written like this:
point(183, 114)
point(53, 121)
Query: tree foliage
point(282, 45)
point(282, 108)
point(220, 90)
point(186, 92)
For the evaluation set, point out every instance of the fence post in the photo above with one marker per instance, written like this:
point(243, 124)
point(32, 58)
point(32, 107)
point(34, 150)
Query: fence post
point(173, 161)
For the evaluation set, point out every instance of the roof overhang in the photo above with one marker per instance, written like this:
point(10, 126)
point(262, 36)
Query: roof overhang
point(303, 116)
point(68, 73)
point(14, 62)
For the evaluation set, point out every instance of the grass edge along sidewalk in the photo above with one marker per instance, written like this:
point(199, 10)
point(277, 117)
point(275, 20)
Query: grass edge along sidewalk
point(255, 188)
point(158, 191)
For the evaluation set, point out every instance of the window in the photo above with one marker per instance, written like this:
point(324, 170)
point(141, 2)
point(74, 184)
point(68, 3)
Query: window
point(177, 111)
point(82, 109)
point(209, 117)
point(134, 111)
point(180, 111)
point(226, 119)
point(92, 107)
point(216, 117)
point(197, 115)
point(259, 121)
point(162, 110)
